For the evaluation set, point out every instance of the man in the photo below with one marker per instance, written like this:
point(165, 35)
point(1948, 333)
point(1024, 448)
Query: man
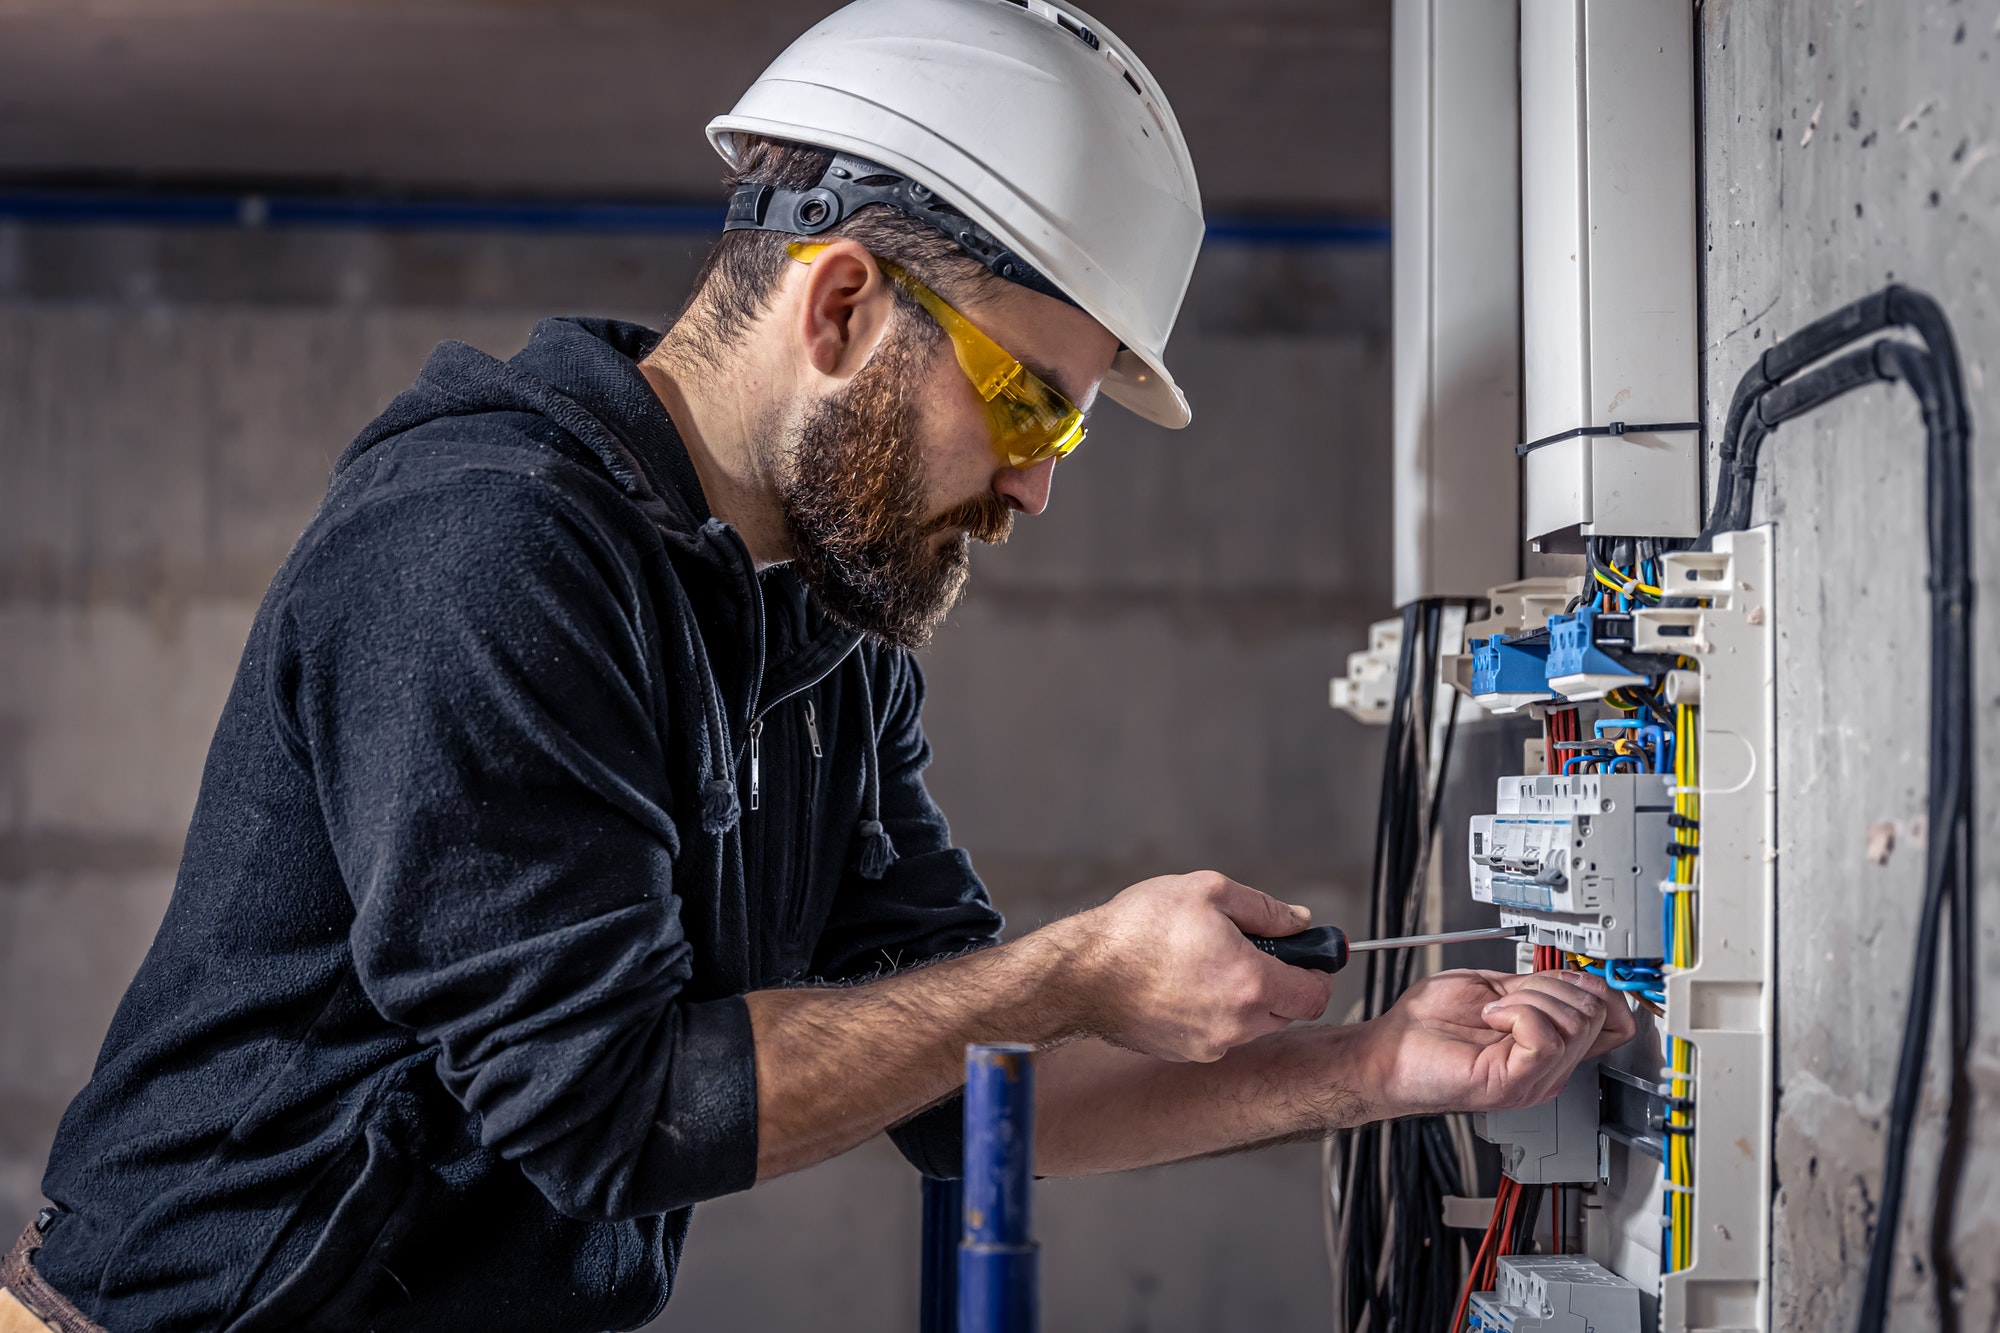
point(580, 736)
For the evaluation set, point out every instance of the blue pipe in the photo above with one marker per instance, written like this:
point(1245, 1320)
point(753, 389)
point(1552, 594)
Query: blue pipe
point(937, 1300)
point(997, 1281)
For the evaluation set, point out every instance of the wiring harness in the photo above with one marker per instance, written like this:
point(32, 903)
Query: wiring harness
point(1678, 904)
point(1394, 1261)
point(1793, 377)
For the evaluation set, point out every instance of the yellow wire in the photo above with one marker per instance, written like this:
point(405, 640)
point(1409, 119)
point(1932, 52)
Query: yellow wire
point(1680, 1149)
point(1620, 585)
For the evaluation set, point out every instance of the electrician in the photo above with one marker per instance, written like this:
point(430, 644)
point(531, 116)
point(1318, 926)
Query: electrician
point(580, 733)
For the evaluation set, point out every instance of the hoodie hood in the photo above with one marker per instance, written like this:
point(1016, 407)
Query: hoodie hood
point(568, 362)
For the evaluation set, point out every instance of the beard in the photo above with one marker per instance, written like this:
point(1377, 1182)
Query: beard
point(854, 502)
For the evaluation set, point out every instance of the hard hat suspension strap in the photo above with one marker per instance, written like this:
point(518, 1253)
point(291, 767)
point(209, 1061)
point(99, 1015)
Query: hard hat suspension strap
point(840, 194)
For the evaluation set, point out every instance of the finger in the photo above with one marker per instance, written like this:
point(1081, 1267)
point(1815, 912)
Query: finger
point(1295, 994)
point(1536, 1058)
point(1619, 1024)
point(1258, 913)
point(1550, 988)
point(1578, 1025)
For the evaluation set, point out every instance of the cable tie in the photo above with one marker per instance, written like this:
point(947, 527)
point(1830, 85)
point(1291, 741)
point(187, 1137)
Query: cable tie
point(1615, 428)
point(1672, 1188)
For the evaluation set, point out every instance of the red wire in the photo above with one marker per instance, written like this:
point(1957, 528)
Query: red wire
point(1485, 1258)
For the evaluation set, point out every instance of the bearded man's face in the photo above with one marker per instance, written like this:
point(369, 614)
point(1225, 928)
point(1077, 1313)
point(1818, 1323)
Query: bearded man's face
point(856, 500)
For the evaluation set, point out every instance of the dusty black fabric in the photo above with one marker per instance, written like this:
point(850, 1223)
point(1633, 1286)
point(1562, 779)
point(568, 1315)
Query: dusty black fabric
point(443, 1028)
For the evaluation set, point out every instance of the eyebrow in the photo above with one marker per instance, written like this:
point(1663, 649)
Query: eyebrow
point(1047, 375)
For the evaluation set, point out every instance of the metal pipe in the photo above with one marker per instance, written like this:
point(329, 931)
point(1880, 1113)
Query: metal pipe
point(937, 1301)
point(997, 1280)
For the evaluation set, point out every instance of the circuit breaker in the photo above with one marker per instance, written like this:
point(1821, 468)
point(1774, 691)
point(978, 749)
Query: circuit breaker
point(1556, 1294)
point(1554, 1143)
point(1578, 860)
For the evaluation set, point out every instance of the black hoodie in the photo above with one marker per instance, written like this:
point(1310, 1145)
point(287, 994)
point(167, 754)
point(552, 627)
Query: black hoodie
point(443, 1028)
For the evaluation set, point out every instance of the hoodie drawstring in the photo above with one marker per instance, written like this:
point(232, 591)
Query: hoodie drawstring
point(878, 852)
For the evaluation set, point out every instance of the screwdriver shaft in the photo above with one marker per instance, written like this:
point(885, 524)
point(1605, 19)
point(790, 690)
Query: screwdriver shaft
point(1449, 937)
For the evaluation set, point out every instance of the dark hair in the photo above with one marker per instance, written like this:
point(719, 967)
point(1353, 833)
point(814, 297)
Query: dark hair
point(734, 285)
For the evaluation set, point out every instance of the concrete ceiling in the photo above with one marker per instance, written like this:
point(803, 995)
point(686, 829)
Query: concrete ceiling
point(1285, 102)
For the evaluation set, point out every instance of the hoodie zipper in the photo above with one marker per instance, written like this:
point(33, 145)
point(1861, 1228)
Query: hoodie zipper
point(756, 732)
point(802, 837)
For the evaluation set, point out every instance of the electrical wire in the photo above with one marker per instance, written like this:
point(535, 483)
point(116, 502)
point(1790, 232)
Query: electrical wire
point(1394, 1261)
point(1678, 929)
point(1786, 383)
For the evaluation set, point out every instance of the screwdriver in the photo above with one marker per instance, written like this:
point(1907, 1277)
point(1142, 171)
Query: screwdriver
point(1325, 948)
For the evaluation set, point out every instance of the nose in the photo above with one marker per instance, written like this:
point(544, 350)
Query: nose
point(1026, 489)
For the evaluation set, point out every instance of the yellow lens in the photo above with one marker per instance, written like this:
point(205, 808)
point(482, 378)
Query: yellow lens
point(1032, 421)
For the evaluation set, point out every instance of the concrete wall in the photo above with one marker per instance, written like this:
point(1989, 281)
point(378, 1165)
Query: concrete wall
point(1137, 682)
point(1849, 143)
point(1284, 102)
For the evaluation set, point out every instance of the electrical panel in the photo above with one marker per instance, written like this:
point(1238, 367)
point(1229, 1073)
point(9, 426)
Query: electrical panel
point(1643, 853)
point(1634, 838)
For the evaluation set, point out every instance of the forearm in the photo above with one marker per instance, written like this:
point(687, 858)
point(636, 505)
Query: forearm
point(1099, 1108)
point(835, 1067)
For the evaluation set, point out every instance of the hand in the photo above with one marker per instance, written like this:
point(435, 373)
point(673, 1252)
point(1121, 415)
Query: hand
point(1169, 973)
point(1491, 1041)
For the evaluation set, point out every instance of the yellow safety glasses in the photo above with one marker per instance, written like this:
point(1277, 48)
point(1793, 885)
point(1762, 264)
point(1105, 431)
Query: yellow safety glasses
point(1031, 420)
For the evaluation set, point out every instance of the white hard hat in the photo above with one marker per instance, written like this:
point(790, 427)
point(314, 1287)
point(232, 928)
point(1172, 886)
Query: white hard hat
point(1038, 124)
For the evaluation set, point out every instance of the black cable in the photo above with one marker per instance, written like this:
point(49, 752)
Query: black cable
point(1401, 1266)
point(1767, 396)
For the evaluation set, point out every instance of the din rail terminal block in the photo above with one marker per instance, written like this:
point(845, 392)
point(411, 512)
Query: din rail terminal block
point(1556, 1293)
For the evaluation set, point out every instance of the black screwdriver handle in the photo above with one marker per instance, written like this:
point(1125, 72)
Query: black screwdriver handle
point(1321, 948)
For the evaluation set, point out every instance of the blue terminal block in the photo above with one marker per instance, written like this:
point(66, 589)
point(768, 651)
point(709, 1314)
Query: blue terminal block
point(1577, 668)
point(1509, 672)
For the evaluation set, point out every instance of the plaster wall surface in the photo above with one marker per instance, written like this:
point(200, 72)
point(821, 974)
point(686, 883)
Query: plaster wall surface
point(1136, 683)
point(1850, 143)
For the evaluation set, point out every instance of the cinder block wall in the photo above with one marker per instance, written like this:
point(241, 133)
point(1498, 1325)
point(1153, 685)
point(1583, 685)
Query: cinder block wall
point(1136, 684)
point(1849, 145)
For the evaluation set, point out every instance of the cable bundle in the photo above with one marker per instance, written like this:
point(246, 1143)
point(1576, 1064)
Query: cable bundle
point(1677, 909)
point(1394, 1261)
point(1514, 1209)
point(1785, 383)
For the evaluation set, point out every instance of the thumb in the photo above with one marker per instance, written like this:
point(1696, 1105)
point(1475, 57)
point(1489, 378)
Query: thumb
point(1259, 913)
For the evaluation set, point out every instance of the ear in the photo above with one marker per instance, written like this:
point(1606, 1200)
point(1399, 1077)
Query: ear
point(843, 309)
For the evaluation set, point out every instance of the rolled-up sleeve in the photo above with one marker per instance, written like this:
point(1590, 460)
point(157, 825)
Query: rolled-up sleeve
point(469, 671)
